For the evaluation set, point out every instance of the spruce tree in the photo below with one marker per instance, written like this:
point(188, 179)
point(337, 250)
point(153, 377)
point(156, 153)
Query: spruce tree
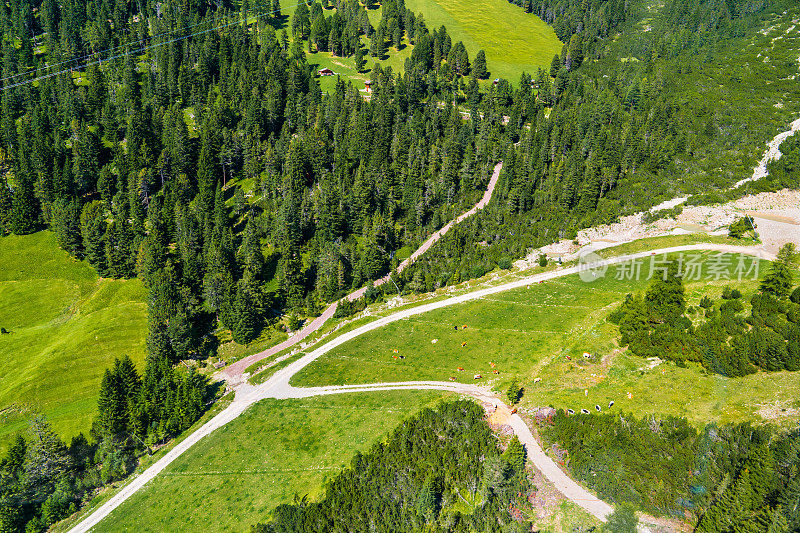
point(6, 204)
point(245, 319)
point(780, 278)
point(24, 207)
point(479, 69)
point(515, 455)
point(555, 66)
point(93, 231)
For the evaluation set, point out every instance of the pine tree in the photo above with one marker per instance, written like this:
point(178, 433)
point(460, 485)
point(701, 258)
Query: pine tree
point(24, 207)
point(780, 278)
point(575, 54)
point(555, 66)
point(515, 455)
point(479, 69)
point(6, 204)
point(111, 408)
point(93, 231)
point(795, 296)
point(360, 61)
point(300, 21)
point(514, 392)
point(245, 319)
point(46, 460)
point(429, 497)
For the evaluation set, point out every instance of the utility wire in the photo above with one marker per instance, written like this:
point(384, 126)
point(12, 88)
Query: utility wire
point(137, 51)
point(114, 49)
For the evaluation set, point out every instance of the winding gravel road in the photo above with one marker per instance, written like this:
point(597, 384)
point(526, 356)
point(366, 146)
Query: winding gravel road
point(278, 386)
point(234, 372)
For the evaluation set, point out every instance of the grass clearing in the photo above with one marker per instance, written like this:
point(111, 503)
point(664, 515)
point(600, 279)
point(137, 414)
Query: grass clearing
point(67, 326)
point(542, 331)
point(514, 41)
point(238, 474)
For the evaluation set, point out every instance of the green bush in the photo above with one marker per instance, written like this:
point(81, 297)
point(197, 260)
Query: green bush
point(742, 227)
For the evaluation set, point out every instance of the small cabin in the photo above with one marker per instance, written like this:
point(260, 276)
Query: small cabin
point(325, 72)
point(368, 86)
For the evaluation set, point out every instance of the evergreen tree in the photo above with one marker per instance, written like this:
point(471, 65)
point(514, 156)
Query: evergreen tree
point(46, 460)
point(360, 60)
point(795, 296)
point(429, 498)
point(514, 392)
point(515, 455)
point(93, 230)
point(24, 207)
point(665, 297)
point(6, 207)
point(301, 23)
point(780, 278)
point(66, 225)
point(555, 66)
point(479, 69)
point(245, 320)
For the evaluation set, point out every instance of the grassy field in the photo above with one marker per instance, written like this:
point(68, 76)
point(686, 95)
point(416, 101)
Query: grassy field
point(542, 332)
point(276, 449)
point(66, 327)
point(514, 41)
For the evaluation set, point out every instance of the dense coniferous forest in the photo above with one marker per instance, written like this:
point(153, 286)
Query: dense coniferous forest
point(717, 335)
point(727, 478)
point(626, 130)
point(130, 162)
point(424, 477)
point(215, 169)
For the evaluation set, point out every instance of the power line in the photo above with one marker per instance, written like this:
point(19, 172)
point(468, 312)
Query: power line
point(122, 46)
point(239, 20)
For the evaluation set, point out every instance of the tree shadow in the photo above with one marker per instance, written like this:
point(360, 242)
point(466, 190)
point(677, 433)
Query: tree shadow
point(281, 22)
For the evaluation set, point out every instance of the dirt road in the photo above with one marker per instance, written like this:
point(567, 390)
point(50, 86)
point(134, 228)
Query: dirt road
point(234, 372)
point(278, 386)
